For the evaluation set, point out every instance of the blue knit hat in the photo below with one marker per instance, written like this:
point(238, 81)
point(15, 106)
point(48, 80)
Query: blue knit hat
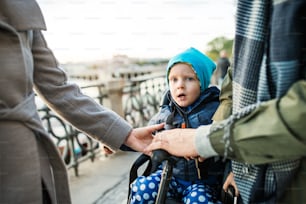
point(202, 65)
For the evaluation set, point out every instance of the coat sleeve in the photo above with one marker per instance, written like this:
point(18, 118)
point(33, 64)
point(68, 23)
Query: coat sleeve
point(274, 131)
point(67, 100)
point(226, 98)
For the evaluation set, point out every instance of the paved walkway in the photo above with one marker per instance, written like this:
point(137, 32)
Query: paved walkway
point(104, 181)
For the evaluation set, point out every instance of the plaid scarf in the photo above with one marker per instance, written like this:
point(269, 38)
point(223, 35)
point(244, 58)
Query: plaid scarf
point(268, 59)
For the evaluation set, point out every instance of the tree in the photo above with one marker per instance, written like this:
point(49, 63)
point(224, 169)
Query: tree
point(216, 45)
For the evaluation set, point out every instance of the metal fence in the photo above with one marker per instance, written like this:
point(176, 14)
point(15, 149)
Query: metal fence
point(141, 99)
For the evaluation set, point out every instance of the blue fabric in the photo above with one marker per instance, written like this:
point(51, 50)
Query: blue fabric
point(144, 190)
point(184, 183)
point(199, 113)
point(201, 64)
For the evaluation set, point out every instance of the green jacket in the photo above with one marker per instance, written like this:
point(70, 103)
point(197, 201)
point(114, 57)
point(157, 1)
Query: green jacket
point(273, 132)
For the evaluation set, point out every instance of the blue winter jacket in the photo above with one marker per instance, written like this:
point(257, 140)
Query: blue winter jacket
point(199, 113)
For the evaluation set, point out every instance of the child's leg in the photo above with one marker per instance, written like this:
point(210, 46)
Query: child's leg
point(144, 189)
point(199, 193)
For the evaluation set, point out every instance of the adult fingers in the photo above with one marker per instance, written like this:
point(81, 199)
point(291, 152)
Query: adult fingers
point(154, 128)
point(157, 143)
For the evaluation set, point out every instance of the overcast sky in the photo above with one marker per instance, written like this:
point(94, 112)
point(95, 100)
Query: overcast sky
point(81, 30)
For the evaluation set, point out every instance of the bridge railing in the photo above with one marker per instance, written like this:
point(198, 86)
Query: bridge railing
point(141, 98)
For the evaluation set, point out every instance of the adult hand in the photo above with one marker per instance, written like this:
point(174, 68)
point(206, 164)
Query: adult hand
point(140, 138)
point(178, 142)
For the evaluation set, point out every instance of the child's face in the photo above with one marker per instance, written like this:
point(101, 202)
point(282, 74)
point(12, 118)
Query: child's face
point(184, 84)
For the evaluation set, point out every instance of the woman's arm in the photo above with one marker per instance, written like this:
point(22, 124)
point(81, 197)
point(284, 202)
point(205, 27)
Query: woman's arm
point(67, 100)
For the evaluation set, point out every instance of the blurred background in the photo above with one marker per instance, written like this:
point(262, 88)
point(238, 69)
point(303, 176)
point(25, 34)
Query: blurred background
point(82, 31)
point(117, 52)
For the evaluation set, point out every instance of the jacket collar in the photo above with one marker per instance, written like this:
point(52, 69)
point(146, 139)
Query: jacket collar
point(206, 96)
point(22, 14)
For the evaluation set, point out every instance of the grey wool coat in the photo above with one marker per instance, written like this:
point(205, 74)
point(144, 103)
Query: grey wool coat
point(28, 157)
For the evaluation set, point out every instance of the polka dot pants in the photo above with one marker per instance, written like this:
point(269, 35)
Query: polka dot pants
point(144, 190)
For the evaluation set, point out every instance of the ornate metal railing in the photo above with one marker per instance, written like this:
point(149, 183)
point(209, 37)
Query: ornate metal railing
point(141, 100)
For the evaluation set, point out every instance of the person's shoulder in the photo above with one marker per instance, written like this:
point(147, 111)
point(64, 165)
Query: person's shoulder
point(213, 89)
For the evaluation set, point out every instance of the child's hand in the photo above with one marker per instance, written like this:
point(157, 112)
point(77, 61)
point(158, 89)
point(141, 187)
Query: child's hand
point(230, 182)
point(107, 150)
